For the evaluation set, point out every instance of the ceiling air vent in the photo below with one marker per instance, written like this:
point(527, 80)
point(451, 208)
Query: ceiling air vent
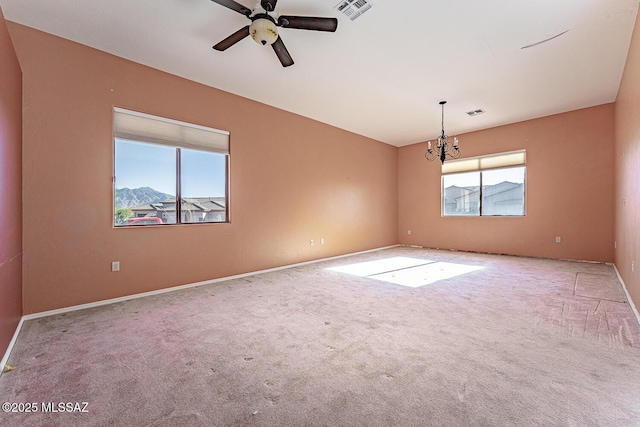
point(353, 9)
point(475, 112)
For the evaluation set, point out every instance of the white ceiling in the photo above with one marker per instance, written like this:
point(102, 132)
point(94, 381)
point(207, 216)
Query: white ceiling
point(383, 74)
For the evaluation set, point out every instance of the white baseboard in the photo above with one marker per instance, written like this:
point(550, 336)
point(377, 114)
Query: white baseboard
point(5, 358)
point(187, 286)
point(629, 300)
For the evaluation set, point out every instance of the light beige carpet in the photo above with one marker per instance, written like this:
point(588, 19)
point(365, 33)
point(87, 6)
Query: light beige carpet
point(400, 337)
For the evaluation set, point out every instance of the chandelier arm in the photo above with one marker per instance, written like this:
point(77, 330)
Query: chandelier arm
point(431, 155)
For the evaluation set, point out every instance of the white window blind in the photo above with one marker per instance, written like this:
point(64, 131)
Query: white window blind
point(514, 158)
point(135, 126)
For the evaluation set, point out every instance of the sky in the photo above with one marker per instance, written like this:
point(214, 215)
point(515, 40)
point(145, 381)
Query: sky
point(148, 165)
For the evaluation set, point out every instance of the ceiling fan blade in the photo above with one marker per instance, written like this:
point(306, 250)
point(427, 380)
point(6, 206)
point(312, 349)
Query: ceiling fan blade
point(232, 39)
point(269, 5)
point(282, 52)
point(234, 6)
point(308, 23)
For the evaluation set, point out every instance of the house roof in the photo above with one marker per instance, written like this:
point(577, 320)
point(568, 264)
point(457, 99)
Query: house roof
point(206, 204)
point(382, 74)
point(455, 192)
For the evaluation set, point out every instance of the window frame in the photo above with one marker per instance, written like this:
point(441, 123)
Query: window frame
point(503, 161)
point(183, 135)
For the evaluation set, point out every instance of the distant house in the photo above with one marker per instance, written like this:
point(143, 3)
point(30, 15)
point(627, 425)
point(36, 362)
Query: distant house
point(505, 198)
point(194, 209)
point(461, 200)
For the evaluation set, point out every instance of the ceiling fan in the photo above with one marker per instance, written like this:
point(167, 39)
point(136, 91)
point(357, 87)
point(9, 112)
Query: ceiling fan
point(263, 28)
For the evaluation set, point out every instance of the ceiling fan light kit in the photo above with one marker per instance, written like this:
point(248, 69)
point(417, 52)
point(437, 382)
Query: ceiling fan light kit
point(264, 26)
point(263, 31)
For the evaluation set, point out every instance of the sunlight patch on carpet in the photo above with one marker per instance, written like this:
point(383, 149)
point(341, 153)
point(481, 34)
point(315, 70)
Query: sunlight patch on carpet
point(423, 275)
point(404, 271)
point(385, 265)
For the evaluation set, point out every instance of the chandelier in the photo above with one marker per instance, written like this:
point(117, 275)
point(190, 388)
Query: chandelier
point(443, 148)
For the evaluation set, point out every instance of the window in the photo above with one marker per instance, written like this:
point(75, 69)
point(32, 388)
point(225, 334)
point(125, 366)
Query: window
point(168, 172)
point(485, 186)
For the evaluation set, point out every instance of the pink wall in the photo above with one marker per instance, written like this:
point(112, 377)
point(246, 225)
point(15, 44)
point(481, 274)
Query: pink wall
point(569, 191)
point(10, 189)
point(292, 179)
point(627, 163)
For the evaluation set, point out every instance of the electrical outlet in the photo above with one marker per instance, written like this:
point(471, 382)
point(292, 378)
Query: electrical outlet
point(408, 231)
point(633, 266)
point(558, 239)
point(615, 244)
point(312, 243)
point(115, 266)
point(322, 241)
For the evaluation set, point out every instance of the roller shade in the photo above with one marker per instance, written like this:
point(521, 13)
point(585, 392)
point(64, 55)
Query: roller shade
point(134, 126)
point(514, 158)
